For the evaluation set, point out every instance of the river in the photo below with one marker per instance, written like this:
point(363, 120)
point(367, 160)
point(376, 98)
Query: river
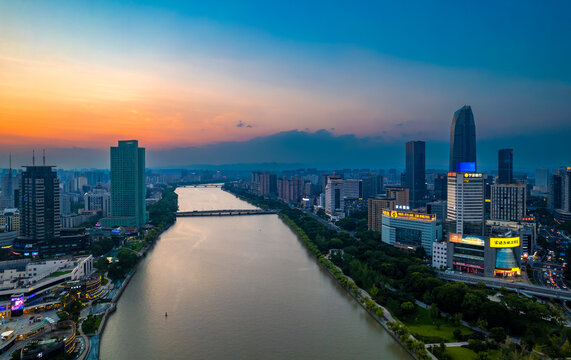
point(237, 287)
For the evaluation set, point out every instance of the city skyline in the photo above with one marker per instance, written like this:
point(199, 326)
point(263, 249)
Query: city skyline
point(199, 75)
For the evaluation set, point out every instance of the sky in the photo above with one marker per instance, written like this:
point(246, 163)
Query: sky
point(82, 75)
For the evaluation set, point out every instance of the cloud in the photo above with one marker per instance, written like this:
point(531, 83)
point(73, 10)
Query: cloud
point(242, 124)
point(321, 149)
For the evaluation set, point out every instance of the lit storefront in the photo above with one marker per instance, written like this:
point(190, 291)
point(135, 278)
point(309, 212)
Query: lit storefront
point(485, 256)
point(408, 229)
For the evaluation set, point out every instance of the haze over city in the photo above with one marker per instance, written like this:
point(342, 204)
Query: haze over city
point(76, 77)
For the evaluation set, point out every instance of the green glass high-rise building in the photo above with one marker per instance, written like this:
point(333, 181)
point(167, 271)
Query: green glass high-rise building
point(128, 207)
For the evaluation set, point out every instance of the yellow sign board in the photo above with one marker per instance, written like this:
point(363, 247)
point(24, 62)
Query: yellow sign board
point(504, 242)
point(409, 215)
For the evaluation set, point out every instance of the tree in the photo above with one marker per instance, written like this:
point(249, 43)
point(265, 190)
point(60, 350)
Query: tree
point(498, 334)
point(434, 312)
point(102, 264)
point(374, 291)
point(408, 308)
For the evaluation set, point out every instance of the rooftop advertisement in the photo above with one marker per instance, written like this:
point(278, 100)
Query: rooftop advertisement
point(505, 242)
point(467, 239)
point(409, 215)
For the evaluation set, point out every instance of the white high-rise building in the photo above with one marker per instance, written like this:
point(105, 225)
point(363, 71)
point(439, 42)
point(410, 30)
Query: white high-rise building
point(465, 205)
point(334, 196)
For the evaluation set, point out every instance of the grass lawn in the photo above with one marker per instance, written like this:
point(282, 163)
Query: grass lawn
point(136, 245)
point(423, 325)
point(460, 353)
point(59, 273)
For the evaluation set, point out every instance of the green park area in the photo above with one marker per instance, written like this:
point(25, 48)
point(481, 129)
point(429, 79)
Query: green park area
point(432, 331)
point(460, 353)
point(136, 245)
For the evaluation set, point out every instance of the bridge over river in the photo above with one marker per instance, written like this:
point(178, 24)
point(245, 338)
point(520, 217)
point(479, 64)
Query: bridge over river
point(225, 212)
point(526, 289)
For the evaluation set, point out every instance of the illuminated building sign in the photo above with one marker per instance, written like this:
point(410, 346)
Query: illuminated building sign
point(504, 242)
point(472, 175)
point(452, 174)
point(409, 215)
point(507, 272)
point(465, 166)
point(468, 265)
point(402, 207)
point(467, 239)
point(17, 303)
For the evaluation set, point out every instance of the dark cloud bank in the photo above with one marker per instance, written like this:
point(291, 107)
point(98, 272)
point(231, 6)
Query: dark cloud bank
point(324, 150)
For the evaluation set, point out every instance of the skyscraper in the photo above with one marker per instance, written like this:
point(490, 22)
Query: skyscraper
point(465, 204)
point(463, 141)
point(7, 183)
point(416, 172)
point(560, 194)
point(334, 196)
point(505, 166)
point(39, 210)
point(508, 202)
point(127, 185)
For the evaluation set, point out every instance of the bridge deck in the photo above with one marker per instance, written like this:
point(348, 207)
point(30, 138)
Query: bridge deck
point(225, 212)
point(517, 286)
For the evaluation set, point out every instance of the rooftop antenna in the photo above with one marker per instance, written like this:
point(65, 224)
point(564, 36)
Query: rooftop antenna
point(10, 161)
point(44, 158)
point(33, 157)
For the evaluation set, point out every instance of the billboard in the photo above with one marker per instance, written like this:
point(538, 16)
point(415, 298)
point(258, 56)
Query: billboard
point(409, 215)
point(505, 242)
point(17, 304)
point(465, 166)
point(467, 239)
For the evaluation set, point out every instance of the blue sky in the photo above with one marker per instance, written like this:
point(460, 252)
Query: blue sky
point(176, 74)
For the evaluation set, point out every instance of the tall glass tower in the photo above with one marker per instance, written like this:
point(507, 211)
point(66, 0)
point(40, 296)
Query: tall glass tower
point(416, 172)
point(39, 210)
point(127, 185)
point(463, 141)
point(505, 166)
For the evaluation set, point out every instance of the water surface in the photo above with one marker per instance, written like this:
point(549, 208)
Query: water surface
point(237, 288)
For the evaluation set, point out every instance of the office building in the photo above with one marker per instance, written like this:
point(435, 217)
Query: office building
point(401, 196)
point(463, 141)
point(334, 196)
point(352, 189)
point(465, 204)
point(10, 220)
point(375, 207)
point(39, 211)
point(9, 185)
point(372, 185)
point(560, 194)
point(416, 173)
point(508, 202)
point(541, 180)
point(505, 166)
point(98, 199)
point(128, 190)
point(64, 204)
point(408, 229)
point(526, 229)
point(440, 255)
point(440, 186)
point(437, 208)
